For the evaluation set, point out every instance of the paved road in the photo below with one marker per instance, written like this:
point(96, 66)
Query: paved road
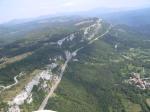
point(101, 35)
point(44, 103)
point(42, 106)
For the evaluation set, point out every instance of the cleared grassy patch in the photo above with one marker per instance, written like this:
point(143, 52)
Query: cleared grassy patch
point(14, 59)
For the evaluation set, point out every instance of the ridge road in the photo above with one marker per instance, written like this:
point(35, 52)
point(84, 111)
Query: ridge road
point(44, 103)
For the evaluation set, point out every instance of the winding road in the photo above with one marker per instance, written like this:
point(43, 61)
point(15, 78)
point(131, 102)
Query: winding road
point(9, 86)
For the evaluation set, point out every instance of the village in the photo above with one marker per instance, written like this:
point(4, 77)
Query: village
point(136, 80)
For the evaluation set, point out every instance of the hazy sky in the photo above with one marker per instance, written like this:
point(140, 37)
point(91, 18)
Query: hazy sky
point(16, 9)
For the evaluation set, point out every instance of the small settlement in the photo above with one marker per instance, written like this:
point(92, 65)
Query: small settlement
point(136, 80)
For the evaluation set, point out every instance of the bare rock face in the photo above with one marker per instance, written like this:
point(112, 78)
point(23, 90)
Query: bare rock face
point(26, 95)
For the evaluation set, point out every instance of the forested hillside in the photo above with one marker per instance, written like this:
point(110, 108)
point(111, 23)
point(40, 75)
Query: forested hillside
point(96, 82)
point(80, 64)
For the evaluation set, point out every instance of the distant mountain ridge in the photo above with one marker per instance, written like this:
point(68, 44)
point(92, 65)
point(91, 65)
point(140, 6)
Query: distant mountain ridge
point(130, 17)
point(133, 18)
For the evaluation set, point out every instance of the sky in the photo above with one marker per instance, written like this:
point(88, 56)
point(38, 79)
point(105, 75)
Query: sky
point(19, 9)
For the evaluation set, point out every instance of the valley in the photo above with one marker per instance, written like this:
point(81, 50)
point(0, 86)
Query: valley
point(81, 67)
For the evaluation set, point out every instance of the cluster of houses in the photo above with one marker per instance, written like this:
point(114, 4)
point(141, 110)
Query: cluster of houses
point(142, 83)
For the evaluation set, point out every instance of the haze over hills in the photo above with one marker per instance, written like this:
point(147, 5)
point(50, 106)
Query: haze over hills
point(93, 58)
point(133, 18)
point(78, 61)
point(136, 18)
point(119, 16)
